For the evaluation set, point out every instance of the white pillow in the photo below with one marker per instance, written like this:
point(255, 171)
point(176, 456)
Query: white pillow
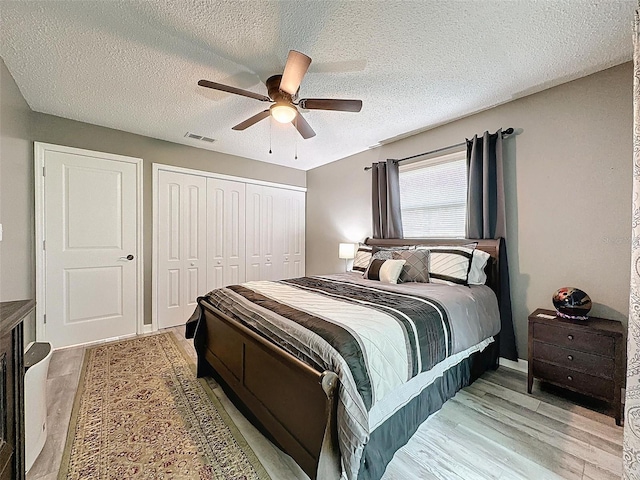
point(477, 275)
point(386, 271)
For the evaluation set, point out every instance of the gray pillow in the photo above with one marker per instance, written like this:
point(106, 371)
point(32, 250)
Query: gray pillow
point(416, 267)
point(386, 253)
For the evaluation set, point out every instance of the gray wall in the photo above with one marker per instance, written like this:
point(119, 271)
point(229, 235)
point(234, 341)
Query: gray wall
point(61, 131)
point(17, 271)
point(568, 187)
point(20, 127)
point(568, 179)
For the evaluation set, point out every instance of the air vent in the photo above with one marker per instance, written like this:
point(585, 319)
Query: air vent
point(202, 138)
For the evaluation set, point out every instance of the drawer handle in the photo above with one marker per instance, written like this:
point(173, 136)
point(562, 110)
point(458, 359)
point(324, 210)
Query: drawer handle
point(570, 337)
point(570, 357)
point(569, 377)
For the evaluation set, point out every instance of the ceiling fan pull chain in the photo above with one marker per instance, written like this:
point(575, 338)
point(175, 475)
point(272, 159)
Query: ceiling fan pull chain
point(270, 125)
point(296, 139)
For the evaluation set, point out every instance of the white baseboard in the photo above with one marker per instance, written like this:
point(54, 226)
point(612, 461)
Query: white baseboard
point(147, 328)
point(97, 342)
point(520, 365)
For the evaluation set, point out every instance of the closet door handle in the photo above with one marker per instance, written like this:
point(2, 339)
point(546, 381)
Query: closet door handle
point(219, 262)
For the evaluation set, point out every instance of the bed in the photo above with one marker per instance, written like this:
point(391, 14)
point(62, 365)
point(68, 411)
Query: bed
point(291, 355)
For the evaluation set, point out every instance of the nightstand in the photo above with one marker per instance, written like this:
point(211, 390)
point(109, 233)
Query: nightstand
point(585, 356)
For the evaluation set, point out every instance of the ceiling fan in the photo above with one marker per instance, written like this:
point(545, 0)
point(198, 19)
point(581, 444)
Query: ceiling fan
point(283, 93)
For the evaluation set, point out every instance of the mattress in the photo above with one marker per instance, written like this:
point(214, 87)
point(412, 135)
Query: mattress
point(390, 345)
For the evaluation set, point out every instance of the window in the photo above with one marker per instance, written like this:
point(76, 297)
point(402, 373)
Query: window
point(433, 197)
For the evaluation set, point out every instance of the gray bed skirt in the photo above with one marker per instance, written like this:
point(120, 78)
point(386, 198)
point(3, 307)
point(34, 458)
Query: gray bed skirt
point(396, 431)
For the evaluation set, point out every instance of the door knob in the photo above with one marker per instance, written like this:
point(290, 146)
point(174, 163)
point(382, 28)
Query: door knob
point(193, 264)
point(128, 257)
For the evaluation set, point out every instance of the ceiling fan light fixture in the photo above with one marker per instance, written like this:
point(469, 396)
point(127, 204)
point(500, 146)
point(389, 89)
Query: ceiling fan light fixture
point(283, 112)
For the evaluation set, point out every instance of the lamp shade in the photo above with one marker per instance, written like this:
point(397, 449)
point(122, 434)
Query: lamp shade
point(283, 112)
point(347, 250)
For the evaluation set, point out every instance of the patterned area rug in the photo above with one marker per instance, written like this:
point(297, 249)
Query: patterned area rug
point(140, 412)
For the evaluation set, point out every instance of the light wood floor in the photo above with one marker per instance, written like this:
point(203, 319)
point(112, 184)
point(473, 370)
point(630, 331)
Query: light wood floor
point(490, 430)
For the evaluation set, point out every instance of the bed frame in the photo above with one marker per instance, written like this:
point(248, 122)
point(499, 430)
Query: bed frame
point(290, 402)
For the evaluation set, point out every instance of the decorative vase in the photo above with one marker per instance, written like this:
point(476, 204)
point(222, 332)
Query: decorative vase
point(573, 303)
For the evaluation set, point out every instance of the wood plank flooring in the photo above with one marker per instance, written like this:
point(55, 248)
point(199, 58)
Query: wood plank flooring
point(490, 430)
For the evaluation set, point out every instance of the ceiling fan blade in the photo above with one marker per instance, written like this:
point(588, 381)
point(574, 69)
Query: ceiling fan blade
point(303, 127)
point(331, 104)
point(250, 121)
point(237, 91)
point(294, 71)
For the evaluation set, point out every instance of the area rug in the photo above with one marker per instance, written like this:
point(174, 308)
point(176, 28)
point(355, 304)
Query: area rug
point(140, 412)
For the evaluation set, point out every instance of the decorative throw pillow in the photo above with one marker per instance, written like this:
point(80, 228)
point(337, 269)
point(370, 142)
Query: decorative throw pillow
point(450, 265)
point(416, 268)
point(363, 258)
point(386, 253)
point(386, 271)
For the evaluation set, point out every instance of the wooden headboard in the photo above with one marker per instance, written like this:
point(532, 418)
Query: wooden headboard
point(492, 247)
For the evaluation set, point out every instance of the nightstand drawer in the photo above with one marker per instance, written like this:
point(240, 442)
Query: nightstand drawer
point(574, 380)
point(574, 339)
point(585, 362)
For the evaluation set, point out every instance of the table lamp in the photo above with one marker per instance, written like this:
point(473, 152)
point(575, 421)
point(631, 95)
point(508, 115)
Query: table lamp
point(347, 251)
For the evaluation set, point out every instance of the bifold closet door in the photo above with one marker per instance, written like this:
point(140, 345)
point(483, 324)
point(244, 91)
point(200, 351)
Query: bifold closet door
point(292, 234)
point(182, 238)
point(225, 233)
point(275, 233)
point(261, 225)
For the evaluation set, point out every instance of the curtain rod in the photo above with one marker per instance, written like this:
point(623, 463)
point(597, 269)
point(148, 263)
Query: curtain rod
point(505, 133)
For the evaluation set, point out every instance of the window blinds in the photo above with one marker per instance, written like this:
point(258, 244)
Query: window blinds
point(433, 197)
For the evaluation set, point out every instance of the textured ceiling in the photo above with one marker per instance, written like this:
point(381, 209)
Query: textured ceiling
point(134, 65)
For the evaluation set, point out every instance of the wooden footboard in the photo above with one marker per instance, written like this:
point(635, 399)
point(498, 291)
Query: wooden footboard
point(289, 401)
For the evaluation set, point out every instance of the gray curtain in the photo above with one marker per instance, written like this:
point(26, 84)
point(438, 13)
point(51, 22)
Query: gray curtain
point(631, 446)
point(486, 219)
point(385, 192)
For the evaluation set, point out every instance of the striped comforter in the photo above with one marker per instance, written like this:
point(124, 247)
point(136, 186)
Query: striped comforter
point(375, 337)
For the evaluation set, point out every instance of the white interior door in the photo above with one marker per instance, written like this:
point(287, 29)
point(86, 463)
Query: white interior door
point(225, 233)
point(182, 238)
point(91, 255)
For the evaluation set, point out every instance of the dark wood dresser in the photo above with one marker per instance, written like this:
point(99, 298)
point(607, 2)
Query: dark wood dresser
point(585, 356)
point(12, 388)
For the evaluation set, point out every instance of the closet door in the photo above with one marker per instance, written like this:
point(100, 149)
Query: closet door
point(261, 214)
point(225, 233)
point(182, 241)
point(275, 233)
point(292, 236)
